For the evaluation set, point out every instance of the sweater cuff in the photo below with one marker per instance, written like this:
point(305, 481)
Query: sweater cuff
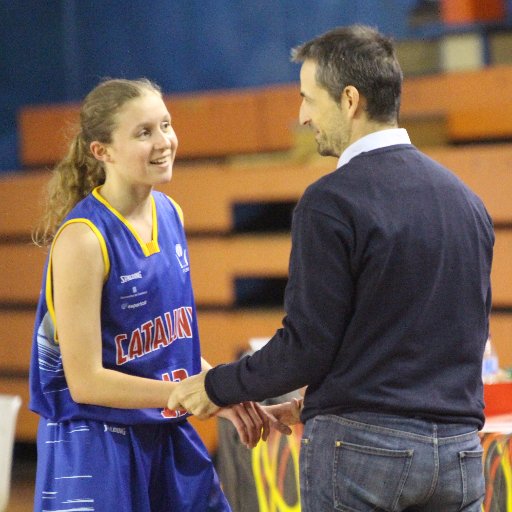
point(210, 391)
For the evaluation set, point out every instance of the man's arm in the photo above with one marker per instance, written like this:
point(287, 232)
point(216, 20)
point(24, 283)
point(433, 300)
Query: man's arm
point(318, 301)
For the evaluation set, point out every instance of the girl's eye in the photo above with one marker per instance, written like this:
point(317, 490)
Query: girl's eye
point(166, 125)
point(144, 133)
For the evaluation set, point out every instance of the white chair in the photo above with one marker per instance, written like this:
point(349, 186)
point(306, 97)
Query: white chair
point(9, 407)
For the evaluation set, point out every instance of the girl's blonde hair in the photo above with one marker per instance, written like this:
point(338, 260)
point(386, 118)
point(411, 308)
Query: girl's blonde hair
point(78, 173)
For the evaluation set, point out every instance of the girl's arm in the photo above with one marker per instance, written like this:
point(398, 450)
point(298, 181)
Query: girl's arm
point(78, 271)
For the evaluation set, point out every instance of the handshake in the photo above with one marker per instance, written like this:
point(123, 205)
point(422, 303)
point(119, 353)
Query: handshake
point(251, 420)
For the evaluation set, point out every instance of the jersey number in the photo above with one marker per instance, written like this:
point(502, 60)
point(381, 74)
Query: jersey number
point(176, 376)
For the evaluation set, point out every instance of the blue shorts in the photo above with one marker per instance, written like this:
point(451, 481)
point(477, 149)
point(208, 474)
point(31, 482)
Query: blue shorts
point(92, 466)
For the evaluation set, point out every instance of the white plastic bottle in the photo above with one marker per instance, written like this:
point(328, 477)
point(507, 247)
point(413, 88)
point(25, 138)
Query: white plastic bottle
point(490, 364)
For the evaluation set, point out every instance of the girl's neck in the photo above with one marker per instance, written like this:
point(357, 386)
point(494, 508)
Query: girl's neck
point(130, 202)
point(135, 205)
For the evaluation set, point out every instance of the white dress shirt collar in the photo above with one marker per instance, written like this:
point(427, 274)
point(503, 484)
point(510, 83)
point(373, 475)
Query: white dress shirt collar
point(375, 140)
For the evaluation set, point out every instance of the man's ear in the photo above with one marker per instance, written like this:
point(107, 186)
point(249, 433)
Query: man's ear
point(100, 151)
point(351, 100)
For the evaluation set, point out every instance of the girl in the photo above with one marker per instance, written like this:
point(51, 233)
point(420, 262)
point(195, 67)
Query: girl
point(116, 324)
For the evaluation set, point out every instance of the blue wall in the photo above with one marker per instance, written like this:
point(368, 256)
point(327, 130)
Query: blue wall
point(55, 51)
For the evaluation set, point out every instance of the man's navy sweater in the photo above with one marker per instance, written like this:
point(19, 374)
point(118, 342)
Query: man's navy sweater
point(388, 297)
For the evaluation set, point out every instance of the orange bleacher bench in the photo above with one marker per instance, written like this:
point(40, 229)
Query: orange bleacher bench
point(473, 104)
point(216, 263)
point(480, 124)
point(441, 93)
point(207, 198)
point(212, 124)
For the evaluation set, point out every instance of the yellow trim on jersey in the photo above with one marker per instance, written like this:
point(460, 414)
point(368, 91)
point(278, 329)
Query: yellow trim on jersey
point(178, 209)
point(49, 279)
point(148, 248)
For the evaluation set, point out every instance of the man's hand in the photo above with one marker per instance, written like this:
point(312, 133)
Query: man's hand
point(249, 420)
point(287, 413)
point(252, 422)
point(190, 394)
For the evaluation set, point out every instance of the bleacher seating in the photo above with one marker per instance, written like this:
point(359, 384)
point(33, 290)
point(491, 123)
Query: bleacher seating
point(214, 124)
point(464, 106)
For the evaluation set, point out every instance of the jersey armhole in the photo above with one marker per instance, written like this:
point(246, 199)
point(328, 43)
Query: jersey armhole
point(178, 208)
point(49, 288)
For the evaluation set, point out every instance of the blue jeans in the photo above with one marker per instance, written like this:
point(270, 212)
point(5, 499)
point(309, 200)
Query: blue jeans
point(363, 462)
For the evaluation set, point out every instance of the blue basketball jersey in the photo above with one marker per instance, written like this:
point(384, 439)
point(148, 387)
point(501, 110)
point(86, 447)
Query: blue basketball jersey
point(148, 319)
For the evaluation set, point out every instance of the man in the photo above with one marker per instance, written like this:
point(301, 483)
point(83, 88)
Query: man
point(387, 303)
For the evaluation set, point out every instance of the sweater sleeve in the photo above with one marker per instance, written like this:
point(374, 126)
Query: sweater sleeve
point(318, 304)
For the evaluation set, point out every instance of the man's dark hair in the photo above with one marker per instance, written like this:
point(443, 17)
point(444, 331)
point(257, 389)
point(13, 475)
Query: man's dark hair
point(359, 56)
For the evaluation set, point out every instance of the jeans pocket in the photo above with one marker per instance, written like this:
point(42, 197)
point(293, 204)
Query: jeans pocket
point(473, 482)
point(366, 478)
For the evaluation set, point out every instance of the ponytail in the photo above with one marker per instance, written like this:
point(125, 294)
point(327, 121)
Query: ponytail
point(73, 178)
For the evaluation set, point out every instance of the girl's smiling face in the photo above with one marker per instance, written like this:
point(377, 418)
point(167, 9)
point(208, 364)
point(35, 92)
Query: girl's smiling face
point(143, 144)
